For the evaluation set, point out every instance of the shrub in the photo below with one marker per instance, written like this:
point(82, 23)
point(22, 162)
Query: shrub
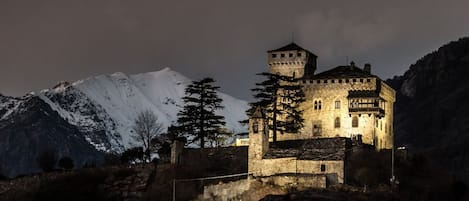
point(66, 163)
point(47, 159)
point(132, 154)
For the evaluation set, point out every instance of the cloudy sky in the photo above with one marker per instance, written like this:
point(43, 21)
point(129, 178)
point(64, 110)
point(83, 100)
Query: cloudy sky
point(43, 42)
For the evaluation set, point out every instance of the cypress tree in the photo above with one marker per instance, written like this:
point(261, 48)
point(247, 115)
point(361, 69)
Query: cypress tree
point(197, 118)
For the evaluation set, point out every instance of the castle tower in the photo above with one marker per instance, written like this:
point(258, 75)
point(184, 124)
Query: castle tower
point(292, 60)
point(258, 139)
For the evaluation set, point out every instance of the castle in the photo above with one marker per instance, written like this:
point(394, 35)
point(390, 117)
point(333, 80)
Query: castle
point(344, 105)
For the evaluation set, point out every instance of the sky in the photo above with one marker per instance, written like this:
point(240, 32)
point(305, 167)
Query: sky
point(43, 42)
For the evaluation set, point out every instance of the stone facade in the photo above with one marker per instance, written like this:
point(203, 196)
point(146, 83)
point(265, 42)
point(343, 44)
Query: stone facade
point(342, 104)
point(345, 101)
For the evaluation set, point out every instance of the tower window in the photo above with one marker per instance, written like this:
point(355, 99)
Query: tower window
point(255, 127)
point(332, 81)
point(319, 105)
point(346, 81)
point(337, 122)
point(282, 55)
point(318, 81)
point(354, 80)
point(325, 81)
point(274, 55)
point(368, 80)
point(290, 55)
point(361, 80)
point(299, 54)
point(323, 167)
point(355, 121)
point(340, 81)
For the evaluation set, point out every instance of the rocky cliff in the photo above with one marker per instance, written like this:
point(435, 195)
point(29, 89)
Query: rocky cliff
point(431, 111)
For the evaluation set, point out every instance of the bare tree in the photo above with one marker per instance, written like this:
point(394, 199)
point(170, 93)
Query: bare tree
point(147, 129)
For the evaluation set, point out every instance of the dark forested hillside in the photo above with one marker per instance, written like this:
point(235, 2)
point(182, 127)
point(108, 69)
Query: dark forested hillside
point(432, 107)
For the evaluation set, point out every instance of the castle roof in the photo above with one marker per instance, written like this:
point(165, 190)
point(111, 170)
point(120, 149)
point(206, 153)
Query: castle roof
point(310, 149)
point(350, 71)
point(291, 47)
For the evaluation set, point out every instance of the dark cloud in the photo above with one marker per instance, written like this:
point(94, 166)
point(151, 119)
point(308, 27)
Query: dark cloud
point(43, 42)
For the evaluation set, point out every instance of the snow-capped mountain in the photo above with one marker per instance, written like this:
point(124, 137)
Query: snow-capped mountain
point(101, 110)
point(112, 103)
point(118, 98)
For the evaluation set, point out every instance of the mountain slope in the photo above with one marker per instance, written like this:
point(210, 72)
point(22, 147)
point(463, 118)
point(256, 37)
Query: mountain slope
point(431, 108)
point(96, 112)
point(34, 128)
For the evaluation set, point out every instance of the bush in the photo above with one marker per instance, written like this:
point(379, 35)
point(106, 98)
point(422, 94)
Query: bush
point(66, 163)
point(111, 159)
point(132, 154)
point(47, 159)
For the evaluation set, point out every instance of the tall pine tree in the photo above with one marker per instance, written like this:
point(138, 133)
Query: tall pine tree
point(280, 96)
point(198, 119)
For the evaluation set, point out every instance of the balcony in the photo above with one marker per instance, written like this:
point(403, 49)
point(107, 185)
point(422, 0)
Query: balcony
point(367, 110)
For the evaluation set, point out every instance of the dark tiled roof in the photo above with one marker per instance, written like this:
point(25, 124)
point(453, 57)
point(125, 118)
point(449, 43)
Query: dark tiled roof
point(290, 47)
point(343, 72)
point(311, 149)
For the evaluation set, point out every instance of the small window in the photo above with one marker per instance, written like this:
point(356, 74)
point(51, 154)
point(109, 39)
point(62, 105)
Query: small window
point(319, 105)
point(325, 81)
point(323, 168)
point(332, 81)
point(337, 104)
point(315, 105)
point(299, 54)
point(274, 55)
point(290, 55)
point(361, 80)
point(354, 80)
point(346, 81)
point(355, 121)
point(340, 81)
point(337, 122)
point(255, 127)
point(317, 129)
point(282, 55)
point(368, 80)
point(318, 81)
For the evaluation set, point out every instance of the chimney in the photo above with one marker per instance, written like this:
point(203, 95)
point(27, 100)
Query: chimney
point(367, 68)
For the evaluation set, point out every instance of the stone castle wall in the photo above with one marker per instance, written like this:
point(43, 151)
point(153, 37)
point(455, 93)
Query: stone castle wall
point(270, 167)
point(374, 130)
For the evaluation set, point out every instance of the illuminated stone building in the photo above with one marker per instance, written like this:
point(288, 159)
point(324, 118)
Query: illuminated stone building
point(346, 101)
point(344, 105)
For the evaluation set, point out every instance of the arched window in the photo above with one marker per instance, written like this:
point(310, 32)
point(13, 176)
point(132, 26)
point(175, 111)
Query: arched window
point(337, 122)
point(355, 121)
point(315, 105)
point(319, 105)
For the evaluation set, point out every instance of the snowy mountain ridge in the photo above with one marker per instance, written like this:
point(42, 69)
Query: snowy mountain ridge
point(110, 103)
point(105, 106)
